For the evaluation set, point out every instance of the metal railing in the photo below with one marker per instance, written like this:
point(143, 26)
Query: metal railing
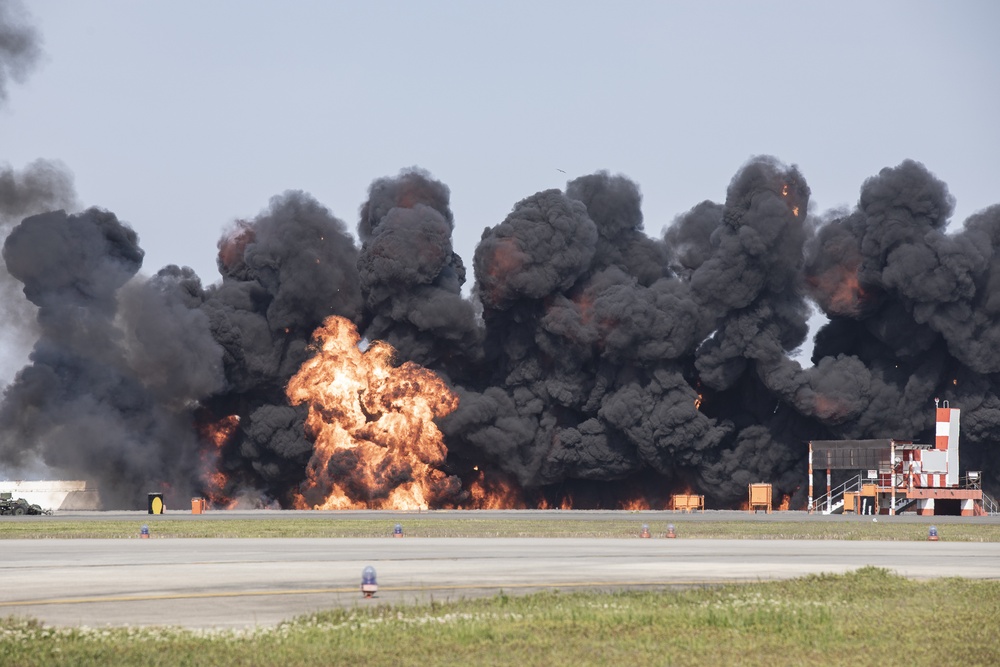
point(902, 504)
point(972, 480)
point(990, 505)
point(829, 502)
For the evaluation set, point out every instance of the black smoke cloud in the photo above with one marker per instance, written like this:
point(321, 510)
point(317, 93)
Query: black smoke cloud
point(41, 186)
point(79, 405)
point(283, 273)
point(592, 361)
point(411, 278)
point(600, 353)
point(20, 45)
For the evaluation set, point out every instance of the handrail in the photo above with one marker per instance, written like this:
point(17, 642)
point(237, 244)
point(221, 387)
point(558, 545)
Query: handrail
point(971, 481)
point(990, 505)
point(824, 503)
point(902, 502)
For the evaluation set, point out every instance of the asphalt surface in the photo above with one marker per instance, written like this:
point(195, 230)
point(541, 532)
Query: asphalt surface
point(650, 516)
point(248, 582)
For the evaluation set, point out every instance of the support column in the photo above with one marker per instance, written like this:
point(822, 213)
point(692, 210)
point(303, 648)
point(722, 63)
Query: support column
point(892, 476)
point(968, 507)
point(810, 505)
point(925, 507)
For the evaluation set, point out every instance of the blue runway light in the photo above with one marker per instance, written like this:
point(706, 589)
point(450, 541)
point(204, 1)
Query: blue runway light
point(368, 584)
point(932, 534)
point(144, 532)
point(397, 531)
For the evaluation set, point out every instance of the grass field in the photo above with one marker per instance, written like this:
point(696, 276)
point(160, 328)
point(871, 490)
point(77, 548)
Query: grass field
point(626, 527)
point(862, 618)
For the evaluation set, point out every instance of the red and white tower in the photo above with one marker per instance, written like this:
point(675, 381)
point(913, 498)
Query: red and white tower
point(946, 440)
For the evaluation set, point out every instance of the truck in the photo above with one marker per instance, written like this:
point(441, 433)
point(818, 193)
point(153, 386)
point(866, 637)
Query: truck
point(18, 507)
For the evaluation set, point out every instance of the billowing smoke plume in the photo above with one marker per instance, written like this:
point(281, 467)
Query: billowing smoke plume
point(601, 357)
point(80, 405)
point(283, 273)
point(411, 278)
point(20, 45)
point(594, 365)
point(41, 186)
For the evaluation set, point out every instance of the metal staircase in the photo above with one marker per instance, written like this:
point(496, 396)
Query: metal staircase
point(902, 504)
point(833, 502)
point(990, 505)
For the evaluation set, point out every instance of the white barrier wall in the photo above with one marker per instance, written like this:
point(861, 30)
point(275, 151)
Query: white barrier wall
point(53, 494)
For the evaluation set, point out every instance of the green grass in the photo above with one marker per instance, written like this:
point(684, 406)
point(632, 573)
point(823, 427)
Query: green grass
point(866, 617)
point(455, 526)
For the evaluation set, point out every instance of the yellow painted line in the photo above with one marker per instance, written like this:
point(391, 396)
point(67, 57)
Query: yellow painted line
point(357, 589)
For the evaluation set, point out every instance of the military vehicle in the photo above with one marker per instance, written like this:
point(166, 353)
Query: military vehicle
point(18, 507)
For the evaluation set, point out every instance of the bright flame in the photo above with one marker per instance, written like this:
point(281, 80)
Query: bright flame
point(697, 402)
point(214, 480)
point(495, 493)
point(635, 504)
point(786, 502)
point(220, 432)
point(376, 444)
point(784, 193)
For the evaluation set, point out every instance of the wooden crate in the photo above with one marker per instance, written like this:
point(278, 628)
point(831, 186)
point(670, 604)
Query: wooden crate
point(687, 502)
point(760, 497)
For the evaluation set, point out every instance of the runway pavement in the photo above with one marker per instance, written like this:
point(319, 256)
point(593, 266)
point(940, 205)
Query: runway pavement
point(650, 516)
point(246, 582)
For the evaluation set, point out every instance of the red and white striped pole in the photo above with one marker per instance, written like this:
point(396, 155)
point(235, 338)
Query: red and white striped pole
point(810, 477)
point(946, 438)
point(892, 477)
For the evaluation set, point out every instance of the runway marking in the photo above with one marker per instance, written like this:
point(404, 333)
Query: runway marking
point(357, 589)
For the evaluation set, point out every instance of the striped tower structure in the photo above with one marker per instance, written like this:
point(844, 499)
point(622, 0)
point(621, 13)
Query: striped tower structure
point(947, 440)
point(938, 468)
point(810, 506)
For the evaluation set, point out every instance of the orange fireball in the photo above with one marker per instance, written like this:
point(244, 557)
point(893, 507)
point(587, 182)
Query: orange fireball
point(214, 480)
point(495, 492)
point(376, 444)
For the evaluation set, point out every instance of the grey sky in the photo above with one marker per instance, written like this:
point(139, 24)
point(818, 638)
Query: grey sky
point(181, 116)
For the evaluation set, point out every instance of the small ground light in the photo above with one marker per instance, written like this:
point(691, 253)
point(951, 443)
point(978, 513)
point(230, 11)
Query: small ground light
point(397, 531)
point(670, 531)
point(645, 531)
point(368, 584)
point(932, 534)
point(144, 532)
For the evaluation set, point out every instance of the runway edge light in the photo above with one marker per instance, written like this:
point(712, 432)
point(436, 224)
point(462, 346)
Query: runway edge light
point(397, 531)
point(645, 531)
point(670, 531)
point(144, 532)
point(369, 586)
point(932, 534)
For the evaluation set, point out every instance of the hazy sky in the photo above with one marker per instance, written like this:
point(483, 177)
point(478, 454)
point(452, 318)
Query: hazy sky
point(182, 116)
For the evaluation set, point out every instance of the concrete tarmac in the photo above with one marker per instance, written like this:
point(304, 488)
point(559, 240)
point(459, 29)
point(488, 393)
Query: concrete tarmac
point(391, 516)
point(249, 582)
